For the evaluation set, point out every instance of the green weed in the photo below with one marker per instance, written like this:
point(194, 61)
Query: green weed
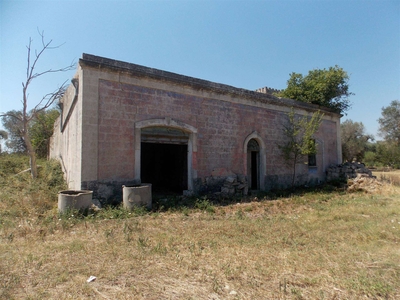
point(205, 205)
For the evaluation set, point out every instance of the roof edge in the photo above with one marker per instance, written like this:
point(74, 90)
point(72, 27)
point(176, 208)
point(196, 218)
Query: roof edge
point(196, 83)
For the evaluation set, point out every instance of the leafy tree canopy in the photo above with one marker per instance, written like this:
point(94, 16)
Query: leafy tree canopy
point(324, 87)
point(390, 122)
point(388, 154)
point(40, 131)
point(13, 126)
point(354, 140)
point(4, 136)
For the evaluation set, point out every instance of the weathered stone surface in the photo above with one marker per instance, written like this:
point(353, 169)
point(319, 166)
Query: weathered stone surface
point(346, 171)
point(241, 178)
point(96, 204)
point(230, 180)
point(221, 172)
point(227, 190)
point(241, 186)
point(364, 182)
point(235, 185)
point(358, 177)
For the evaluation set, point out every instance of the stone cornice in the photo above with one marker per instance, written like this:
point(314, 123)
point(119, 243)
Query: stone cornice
point(98, 62)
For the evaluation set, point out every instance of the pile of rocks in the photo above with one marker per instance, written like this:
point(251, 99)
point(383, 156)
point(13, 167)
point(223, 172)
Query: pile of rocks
point(346, 171)
point(364, 182)
point(234, 185)
point(358, 177)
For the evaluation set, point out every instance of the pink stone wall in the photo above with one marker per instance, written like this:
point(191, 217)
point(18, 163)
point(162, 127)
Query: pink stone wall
point(222, 129)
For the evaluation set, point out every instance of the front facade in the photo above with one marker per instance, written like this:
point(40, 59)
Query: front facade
point(123, 123)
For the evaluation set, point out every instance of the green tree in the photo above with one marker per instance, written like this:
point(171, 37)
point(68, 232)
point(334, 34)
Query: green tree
point(41, 130)
point(327, 88)
point(370, 159)
point(354, 140)
point(390, 123)
point(25, 118)
point(388, 154)
point(3, 136)
point(15, 142)
point(299, 139)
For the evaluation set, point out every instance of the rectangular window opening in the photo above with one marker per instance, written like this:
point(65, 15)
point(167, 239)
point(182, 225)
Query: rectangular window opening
point(312, 158)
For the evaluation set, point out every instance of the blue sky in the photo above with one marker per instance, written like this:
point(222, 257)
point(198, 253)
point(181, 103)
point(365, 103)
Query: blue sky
point(246, 44)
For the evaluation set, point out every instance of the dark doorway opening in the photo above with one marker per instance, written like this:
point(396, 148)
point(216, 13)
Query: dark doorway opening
point(254, 170)
point(165, 167)
point(253, 164)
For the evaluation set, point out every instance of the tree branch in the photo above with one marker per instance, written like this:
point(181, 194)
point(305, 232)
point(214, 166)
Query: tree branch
point(9, 114)
point(50, 98)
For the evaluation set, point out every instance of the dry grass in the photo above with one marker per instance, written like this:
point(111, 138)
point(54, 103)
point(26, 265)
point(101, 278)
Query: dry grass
point(392, 177)
point(312, 245)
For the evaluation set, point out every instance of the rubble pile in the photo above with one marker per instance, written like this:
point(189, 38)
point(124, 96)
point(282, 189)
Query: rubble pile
point(364, 182)
point(234, 185)
point(346, 171)
point(358, 177)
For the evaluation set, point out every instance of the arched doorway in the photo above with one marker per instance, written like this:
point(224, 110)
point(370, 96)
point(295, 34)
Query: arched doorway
point(164, 159)
point(253, 164)
point(165, 154)
point(254, 160)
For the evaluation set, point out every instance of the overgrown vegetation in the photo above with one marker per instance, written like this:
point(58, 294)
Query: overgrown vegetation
point(304, 244)
point(299, 141)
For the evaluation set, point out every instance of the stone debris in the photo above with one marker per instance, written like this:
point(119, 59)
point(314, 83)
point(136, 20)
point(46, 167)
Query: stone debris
point(346, 171)
point(235, 185)
point(96, 205)
point(364, 182)
point(357, 176)
point(232, 293)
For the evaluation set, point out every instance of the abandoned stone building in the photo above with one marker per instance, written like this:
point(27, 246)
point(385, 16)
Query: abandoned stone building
point(125, 124)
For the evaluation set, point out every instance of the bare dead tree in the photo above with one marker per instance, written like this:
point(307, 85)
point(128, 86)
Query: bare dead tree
point(45, 102)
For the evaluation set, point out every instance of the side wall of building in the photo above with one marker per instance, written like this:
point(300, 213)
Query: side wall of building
point(66, 142)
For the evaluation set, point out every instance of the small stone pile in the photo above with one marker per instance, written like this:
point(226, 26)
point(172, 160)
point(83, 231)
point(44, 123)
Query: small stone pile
point(364, 182)
point(358, 177)
point(235, 184)
point(346, 171)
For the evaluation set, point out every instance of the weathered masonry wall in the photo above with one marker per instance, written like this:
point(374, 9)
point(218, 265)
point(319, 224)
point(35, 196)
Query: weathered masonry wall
point(66, 143)
point(118, 102)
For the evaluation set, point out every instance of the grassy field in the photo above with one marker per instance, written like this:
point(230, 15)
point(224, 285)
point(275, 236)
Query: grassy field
point(312, 244)
point(392, 177)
